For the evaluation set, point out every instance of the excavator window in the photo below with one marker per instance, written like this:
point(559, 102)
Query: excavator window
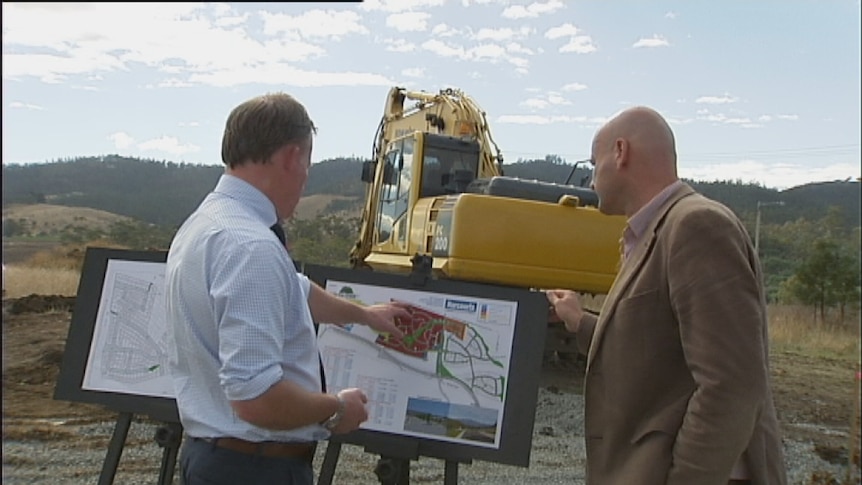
point(448, 165)
point(395, 194)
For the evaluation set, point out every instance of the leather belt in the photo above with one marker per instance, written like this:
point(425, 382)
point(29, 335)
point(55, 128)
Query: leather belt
point(271, 449)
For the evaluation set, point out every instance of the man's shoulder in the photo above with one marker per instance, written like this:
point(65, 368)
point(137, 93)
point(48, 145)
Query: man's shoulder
point(219, 220)
point(697, 202)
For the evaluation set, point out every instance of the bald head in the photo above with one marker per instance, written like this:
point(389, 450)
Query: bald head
point(649, 136)
point(637, 145)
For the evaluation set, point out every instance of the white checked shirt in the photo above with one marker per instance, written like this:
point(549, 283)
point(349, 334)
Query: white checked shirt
point(239, 314)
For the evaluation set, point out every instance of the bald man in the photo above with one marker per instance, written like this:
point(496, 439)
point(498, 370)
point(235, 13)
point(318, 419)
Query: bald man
point(677, 382)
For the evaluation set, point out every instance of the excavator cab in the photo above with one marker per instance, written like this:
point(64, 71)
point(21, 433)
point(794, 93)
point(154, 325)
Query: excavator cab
point(418, 166)
point(448, 165)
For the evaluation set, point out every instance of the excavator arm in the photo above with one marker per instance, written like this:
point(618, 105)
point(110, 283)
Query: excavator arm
point(449, 112)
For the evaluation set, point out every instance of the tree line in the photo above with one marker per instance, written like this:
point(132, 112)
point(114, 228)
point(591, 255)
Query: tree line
point(809, 246)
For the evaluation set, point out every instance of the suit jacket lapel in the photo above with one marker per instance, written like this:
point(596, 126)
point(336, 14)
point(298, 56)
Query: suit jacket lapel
point(630, 268)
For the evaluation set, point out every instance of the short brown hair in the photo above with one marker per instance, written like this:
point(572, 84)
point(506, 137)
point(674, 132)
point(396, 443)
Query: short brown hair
point(260, 126)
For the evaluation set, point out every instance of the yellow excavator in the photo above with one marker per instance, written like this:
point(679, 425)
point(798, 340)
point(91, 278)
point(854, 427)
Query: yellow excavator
point(436, 189)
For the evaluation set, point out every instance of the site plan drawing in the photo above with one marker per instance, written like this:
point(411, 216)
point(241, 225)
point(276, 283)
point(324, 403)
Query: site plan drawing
point(445, 380)
point(129, 346)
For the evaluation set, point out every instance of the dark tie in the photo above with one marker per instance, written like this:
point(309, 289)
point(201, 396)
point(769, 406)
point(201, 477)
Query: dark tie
point(279, 233)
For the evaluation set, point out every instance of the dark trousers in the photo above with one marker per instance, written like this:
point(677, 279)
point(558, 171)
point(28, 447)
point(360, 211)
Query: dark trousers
point(203, 463)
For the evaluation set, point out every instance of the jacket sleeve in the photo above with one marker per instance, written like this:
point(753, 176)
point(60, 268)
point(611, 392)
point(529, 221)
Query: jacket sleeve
point(717, 296)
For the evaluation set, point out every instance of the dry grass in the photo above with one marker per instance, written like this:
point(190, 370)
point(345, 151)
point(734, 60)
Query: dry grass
point(794, 329)
point(791, 328)
point(48, 218)
point(311, 206)
point(53, 272)
point(23, 281)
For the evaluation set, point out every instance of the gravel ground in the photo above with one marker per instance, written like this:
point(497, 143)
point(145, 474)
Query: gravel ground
point(557, 455)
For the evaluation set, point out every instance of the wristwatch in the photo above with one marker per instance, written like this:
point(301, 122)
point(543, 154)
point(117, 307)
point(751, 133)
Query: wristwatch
point(332, 421)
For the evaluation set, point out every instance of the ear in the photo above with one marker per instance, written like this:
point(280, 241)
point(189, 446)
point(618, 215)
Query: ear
point(621, 152)
point(285, 157)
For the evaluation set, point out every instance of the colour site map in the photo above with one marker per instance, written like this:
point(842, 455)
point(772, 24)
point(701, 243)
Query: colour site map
point(445, 380)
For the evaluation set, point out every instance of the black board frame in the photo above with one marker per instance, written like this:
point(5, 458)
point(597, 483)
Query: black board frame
point(80, 339)
point(524, 369)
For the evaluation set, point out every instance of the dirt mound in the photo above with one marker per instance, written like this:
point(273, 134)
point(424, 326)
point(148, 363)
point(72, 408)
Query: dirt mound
point(39, 304)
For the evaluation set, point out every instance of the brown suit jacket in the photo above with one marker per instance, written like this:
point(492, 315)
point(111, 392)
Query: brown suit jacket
point(677, 380)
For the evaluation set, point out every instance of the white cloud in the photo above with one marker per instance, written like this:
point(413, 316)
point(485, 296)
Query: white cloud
point(282, 74)
point(399, 45)
point(501, 34)
point(670, 15)
point(399, 5)
point(725, 99)
point(443, 49)
point(77, 40)
point(565, 30)
point(487, 51)
point(54, 69)
point(544, 120)
point(722, 118)
point(443, 30)
point(408, 21)
point(467, 3)
point(654, 41)
point(534, 103)
point(168, 144)
point(555, 98)
point(581, 44)
point(171, 83)
point(532, 10)
point(524, 119)
point(20, 105)
point(323, 24)
point(189, 123)
point(517, 48)
point(788, 117)
point(542, 102)
point(413, 72)
point(84, 88)
point(775, 175)
point(121, 140)
point(231, 21)
point(574, 87)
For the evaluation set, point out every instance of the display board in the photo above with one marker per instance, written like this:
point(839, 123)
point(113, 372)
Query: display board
point(116, 350)
point(462, 383)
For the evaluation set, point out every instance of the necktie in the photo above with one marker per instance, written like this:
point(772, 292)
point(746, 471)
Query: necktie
point(279, 233)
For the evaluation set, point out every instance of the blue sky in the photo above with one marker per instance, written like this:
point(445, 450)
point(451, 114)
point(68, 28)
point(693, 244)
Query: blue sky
point(758, 91)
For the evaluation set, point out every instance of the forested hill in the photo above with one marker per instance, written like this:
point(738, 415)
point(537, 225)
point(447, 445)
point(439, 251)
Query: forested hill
point(164, 193)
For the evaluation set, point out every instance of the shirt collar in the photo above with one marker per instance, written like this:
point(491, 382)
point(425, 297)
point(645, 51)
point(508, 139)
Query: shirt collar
point(637, 224)
point(249, 195)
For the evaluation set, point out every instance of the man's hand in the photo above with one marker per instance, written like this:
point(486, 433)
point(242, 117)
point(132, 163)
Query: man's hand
point(565, 306)
point(355, 412)
point(382, 318)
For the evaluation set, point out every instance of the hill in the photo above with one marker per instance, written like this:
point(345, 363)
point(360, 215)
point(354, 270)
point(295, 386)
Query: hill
point(164, 193)
point(50, 219)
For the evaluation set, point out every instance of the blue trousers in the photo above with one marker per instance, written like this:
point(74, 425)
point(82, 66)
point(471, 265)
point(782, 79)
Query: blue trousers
point(202, 463)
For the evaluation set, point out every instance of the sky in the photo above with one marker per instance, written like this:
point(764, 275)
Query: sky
point(764, 92)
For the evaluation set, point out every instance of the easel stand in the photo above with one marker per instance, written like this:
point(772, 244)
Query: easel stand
point(393, 465)
point(168, 436)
